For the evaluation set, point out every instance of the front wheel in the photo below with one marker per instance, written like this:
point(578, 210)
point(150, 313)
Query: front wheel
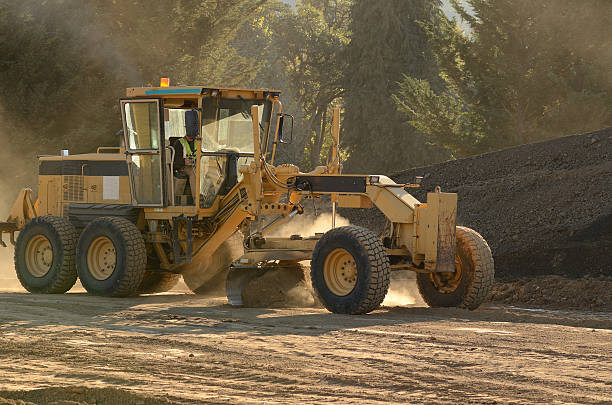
point(350, 270)
point(472, 280)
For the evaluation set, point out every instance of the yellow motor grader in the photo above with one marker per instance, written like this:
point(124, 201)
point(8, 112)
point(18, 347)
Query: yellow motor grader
point(116, 219)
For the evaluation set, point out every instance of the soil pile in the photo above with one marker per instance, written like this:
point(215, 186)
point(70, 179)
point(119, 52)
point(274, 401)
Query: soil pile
point(557, 292)
point(544, 208)
point(281, 286)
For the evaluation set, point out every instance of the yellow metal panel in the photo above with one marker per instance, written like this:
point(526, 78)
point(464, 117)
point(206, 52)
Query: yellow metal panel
point(49, 188)
point(447, 215)
point(22, 211)
point(427, 231)
point(436, 229)
point(169, 212)
point(93, 187)
point(406, 236)
point(246, 94)
point(353, 201)
point(397, 204)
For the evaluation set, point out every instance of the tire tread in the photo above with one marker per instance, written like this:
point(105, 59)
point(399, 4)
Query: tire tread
point(380, 271)
point(66, 277)
point(483, 276)
point(135, 251)
point(484, 273)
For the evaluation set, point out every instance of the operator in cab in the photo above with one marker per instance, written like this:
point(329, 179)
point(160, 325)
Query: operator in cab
point(185, 155)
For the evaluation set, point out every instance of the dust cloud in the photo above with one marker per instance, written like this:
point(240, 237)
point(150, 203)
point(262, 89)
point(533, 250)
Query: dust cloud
point(290, 286)
point(403, 290)
point(283, 286)
point(18, 170)
point(308, 225)
point(8, 279)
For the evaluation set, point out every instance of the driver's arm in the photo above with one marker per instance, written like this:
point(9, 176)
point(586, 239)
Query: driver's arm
point(179, 160)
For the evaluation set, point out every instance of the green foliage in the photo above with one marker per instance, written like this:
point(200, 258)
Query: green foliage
point(65, 63)
point(441, 116)
point(527, 71)
point(386, 43)
point(304, 51)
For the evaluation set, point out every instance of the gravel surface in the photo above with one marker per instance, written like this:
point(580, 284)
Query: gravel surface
point(180, 348)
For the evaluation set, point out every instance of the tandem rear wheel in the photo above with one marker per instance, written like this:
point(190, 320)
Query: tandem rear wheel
point(45, 255)
point(111, 257)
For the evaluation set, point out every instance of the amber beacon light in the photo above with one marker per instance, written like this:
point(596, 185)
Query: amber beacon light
point(164, 82)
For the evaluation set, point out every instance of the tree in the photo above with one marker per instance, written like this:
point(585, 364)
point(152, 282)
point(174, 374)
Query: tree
point(526, 71)
point(304, 54)
point(387, 41)
point(442, 117)
point(67, 64)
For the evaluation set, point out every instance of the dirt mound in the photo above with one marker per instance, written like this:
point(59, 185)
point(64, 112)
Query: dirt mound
point(557, 292)
point(78, 396)
point(280, 287)
point(544, 208)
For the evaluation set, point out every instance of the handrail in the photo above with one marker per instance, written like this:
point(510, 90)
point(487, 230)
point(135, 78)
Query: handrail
point(118, 149)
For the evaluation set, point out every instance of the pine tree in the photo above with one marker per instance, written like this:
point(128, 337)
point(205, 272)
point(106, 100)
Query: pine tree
point(387, 41)
point(301, 52)
point(527, 71)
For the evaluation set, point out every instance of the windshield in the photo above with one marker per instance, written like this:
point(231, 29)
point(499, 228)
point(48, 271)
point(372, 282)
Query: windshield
point(174, 123)
point(227, 124)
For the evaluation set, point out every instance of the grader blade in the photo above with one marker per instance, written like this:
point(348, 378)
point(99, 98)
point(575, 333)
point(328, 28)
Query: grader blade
point(238, 278)
point(270, 285)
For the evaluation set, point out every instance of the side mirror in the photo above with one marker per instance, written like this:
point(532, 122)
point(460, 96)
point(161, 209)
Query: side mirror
point(281, 124)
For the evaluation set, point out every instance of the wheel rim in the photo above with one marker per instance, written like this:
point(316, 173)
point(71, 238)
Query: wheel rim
point(39, 256)
point(340, 272)
point(101, 258)
point(447, 282)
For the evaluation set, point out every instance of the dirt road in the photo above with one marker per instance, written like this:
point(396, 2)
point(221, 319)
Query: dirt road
point(181, 348)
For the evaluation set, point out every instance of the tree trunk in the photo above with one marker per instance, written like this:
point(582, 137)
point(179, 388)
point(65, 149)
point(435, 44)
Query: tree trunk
point(315, 154)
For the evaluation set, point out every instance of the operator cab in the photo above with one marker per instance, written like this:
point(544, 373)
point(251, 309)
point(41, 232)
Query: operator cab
point(224, 143)
point(227, 143)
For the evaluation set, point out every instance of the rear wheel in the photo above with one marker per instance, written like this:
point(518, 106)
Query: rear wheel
point(44, 255)
point(111, 257)
point(350, 270)
point(472, 280)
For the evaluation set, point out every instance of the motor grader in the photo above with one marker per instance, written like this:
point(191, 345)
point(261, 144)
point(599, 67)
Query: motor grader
point(114, 219)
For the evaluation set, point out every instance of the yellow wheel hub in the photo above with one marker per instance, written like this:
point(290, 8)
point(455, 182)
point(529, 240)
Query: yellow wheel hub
point(39, 256)
point(446, 282)
point(101, 258)
point(340, 272)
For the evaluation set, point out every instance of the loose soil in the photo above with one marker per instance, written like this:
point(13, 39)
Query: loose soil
point(555, 292)
point(182, 349)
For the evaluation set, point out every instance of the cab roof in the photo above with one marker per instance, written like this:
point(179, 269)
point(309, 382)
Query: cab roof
point(196, 91)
